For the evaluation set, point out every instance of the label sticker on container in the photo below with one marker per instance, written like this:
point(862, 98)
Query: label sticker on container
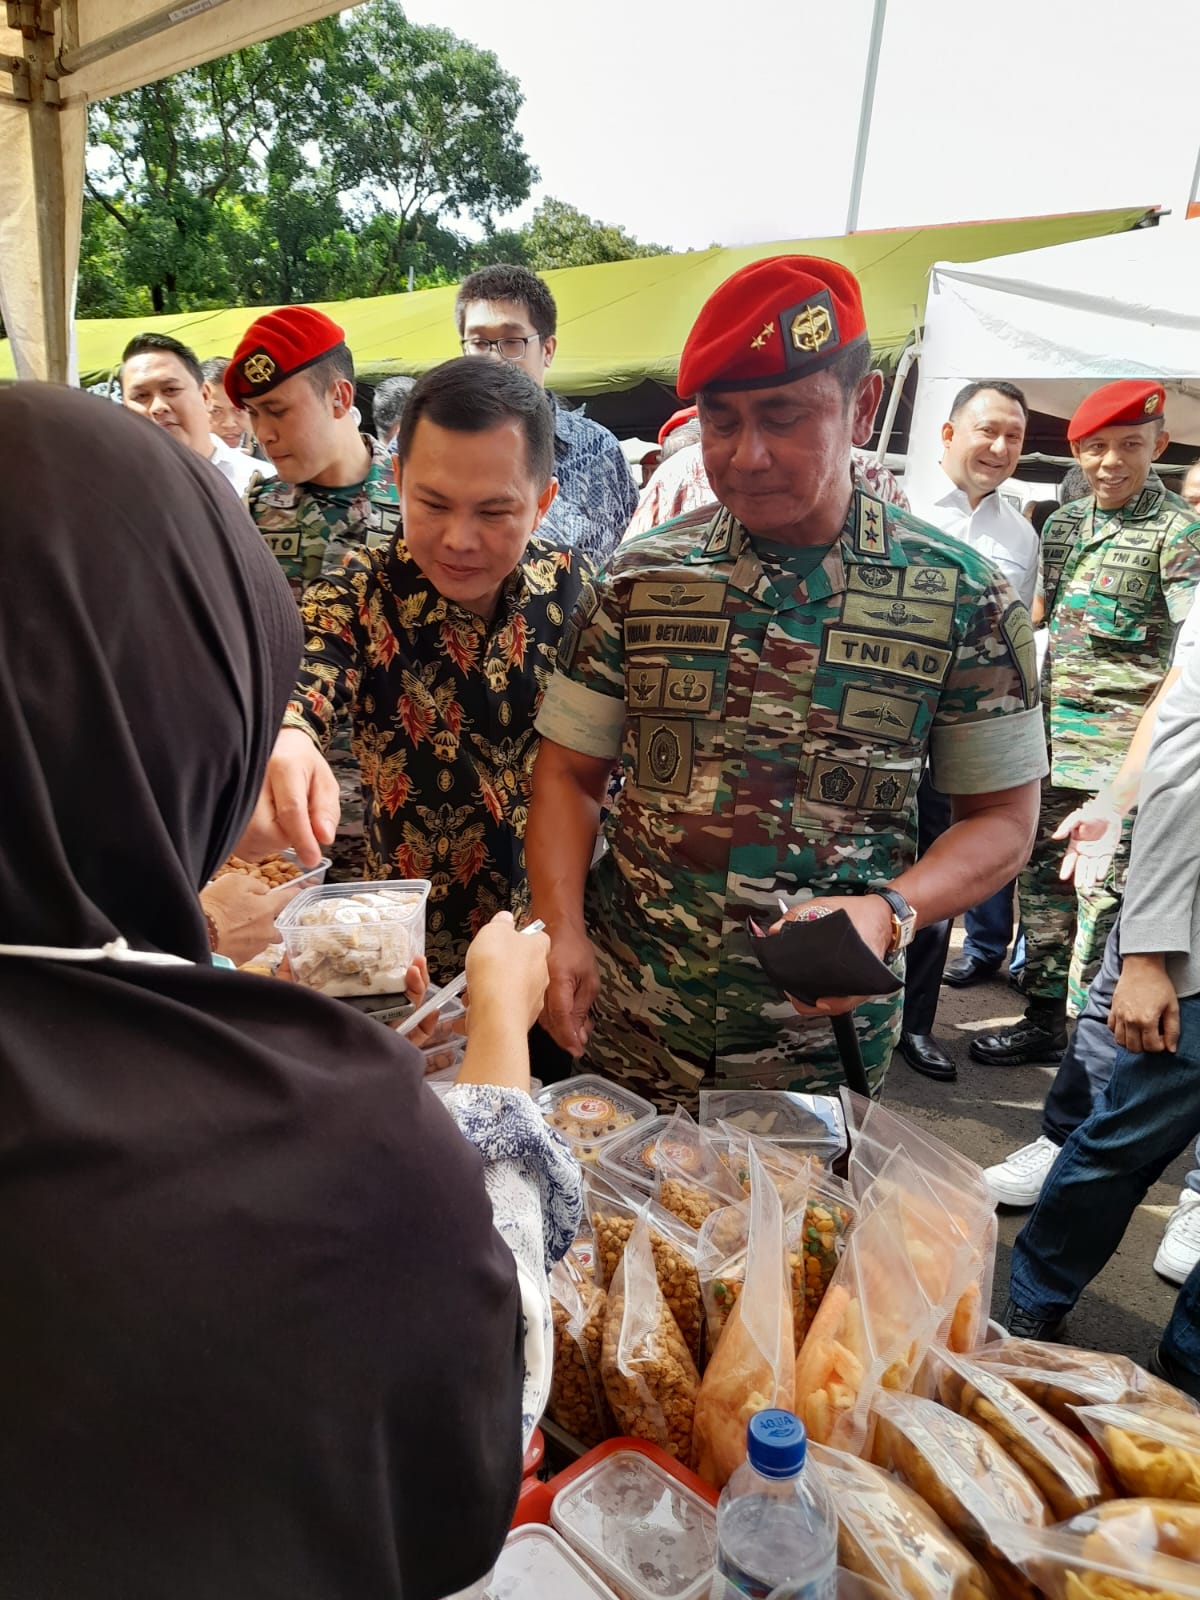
point(588, 1108)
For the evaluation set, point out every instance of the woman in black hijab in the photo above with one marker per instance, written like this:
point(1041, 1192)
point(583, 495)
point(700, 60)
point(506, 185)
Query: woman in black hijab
point(259, 1336)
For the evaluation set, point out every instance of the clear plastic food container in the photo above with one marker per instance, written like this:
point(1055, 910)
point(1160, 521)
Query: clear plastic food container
point(647, 1534)
point(536, 1564)
point(589, 1111)
point(308, 875)
point(629, 1157)
point(355, 938)
point(814, 1120)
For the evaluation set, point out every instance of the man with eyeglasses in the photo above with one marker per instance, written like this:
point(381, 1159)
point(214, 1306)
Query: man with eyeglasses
point(507, 313)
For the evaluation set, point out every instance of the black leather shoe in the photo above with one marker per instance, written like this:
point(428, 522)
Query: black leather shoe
point(1039, 1036)
point(961, 974)
point(1028, 1325)
point(926, 1056)
point(1170, 1371)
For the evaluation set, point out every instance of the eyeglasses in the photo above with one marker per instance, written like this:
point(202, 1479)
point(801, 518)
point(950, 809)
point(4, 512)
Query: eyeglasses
point(510, 349)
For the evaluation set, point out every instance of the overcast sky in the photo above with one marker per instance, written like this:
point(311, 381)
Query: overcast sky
point(711, 122)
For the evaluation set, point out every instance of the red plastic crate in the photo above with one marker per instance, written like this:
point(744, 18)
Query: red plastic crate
point(536, 1498)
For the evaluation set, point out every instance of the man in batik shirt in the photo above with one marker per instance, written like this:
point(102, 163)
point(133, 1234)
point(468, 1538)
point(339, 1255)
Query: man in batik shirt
point(439, 649)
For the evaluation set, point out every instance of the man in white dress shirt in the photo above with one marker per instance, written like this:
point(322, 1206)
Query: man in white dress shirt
point(162, 379)
point(982, 442)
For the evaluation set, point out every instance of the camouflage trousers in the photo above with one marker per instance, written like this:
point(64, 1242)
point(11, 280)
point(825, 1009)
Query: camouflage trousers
point(1065, 932)
point(633, 1046)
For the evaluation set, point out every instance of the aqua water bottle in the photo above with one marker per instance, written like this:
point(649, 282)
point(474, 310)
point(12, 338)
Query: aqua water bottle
point(775, 1524)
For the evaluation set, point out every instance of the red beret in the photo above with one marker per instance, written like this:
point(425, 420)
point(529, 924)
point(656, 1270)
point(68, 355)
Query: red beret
point(676, 420)
point(1118, 404)
point(276, 347)
point(772, 322)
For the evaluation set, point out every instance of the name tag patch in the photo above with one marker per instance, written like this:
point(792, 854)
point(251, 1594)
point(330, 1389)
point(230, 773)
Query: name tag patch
point(284, 543)
point(702, 634)
point(923, 662)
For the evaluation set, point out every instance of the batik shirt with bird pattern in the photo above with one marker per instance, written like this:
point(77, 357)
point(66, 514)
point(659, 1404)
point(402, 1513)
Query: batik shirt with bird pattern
point(442, 705)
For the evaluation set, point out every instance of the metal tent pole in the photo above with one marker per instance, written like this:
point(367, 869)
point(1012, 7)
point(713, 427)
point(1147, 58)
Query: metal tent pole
point(865, 114)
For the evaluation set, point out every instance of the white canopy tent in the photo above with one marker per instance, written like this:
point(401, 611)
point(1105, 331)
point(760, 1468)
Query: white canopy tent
point(59, 55)
point(1059, 322)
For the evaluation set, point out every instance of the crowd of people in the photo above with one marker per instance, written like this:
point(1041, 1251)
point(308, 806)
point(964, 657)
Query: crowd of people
point(463, 648)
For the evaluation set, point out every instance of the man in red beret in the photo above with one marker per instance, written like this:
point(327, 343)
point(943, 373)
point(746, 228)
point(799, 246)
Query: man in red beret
point(335, 496)
point(1119, 570)
point(1119, 573)
point(772, 673)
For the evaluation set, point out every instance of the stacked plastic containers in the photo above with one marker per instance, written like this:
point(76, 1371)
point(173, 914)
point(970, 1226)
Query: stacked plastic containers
point(646, 1534)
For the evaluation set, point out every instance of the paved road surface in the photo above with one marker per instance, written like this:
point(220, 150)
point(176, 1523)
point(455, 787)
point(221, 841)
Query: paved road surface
point(992, 1110)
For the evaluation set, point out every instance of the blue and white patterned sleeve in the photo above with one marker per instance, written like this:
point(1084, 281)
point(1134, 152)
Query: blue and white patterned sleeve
point(536, 1190)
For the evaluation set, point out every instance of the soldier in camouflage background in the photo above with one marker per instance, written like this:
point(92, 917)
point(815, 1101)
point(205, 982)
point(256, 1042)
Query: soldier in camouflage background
point(1119, 569)
point(335, 496)
point(772, 677)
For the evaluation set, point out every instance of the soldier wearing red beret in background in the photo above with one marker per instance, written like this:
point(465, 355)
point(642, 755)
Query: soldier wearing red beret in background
point(1118, 573)
point(335, 496)
point(772, 674)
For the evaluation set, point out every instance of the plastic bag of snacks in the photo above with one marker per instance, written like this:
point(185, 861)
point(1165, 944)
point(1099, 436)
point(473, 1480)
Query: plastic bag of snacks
point(962, 1474)
point(1061, 1378)
point(693, 1181)
point(1154, 1449)
point(816, 1239)
point(818, 1212)
point(753, 1367)
point(649, 1376)
point(613, 1214)
point(1066, 1473)
point(577, 1401)
point(871, 1332)
point(1124, 1550)
point(888, 1534)
point(881, 1137)
point(783, 1165)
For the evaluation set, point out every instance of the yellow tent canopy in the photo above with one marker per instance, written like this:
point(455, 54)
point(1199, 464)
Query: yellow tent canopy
point(625, 321)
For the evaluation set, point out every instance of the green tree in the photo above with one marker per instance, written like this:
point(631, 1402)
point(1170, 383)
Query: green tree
point(560, 235)
point(165, 158)
point(419, 126)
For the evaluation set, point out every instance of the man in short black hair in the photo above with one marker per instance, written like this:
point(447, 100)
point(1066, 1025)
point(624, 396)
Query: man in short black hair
point(438, 648)
point(509, 313)
point(161, 379)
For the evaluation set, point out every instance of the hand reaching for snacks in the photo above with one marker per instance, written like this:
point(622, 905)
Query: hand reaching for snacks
point(243, 910)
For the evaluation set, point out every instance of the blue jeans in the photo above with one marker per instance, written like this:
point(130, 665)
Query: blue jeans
point(1149, 1114)
point(989, 927)
point(1087, 1063)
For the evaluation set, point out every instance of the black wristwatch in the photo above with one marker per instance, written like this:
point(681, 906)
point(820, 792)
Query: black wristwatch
point(904, 918)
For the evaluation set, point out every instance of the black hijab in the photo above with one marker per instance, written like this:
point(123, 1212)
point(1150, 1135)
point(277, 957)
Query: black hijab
point(258, 1336)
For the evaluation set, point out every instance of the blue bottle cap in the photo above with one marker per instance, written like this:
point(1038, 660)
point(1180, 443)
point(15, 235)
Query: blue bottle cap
point(776, 1444)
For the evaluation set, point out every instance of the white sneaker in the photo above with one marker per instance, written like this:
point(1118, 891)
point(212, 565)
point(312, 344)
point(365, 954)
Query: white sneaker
point(1180, 1248)
point(1018, 1180)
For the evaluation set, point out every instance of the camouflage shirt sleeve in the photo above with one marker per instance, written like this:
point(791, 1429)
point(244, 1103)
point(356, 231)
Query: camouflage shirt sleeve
point(988, 732)
point(1179, 569)
point(331, 663)
point(584, 706)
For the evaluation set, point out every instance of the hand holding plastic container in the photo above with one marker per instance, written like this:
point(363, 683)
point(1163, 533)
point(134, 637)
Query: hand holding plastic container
point(775, 1524)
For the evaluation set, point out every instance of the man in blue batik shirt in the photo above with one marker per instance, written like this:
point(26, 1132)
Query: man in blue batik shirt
point(509, 313)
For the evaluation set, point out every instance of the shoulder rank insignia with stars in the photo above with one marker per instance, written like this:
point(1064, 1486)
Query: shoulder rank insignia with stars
point(870, 535)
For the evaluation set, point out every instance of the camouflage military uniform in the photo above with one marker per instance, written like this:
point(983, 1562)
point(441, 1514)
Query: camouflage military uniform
point(772, 732)
point(1115, 588)
point(314, 532)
